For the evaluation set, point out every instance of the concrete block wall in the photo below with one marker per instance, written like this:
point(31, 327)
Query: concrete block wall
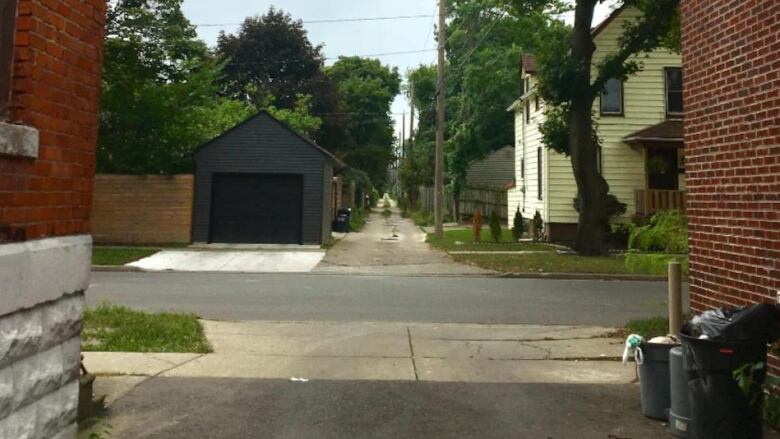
point(731, 73)
point(142, 209)
point(47, 162)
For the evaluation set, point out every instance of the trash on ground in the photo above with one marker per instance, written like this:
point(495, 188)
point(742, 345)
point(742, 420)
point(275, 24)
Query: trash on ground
point(666, 339)
point(299, 380)
point(632, 344)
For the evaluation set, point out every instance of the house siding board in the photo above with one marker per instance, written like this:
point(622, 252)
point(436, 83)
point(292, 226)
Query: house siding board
point(622, 166)
point(261, 145)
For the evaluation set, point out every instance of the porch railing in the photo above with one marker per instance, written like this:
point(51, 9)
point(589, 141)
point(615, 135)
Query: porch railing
point(650, 201)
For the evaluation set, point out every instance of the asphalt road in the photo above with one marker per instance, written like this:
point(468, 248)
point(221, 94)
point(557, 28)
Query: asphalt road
point(319, 297)
point(170, 408)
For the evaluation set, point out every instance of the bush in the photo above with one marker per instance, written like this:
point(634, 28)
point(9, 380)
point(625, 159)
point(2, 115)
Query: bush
point(667, 232)
point(538, 226)
point(476, 225)
point(518, 226)
point(495, 226)
point(421, 218)
point(653, 263)
point(358, 219)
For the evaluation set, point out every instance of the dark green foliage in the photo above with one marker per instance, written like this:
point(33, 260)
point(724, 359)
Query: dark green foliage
point(667, 232)
point(270, 55)
point(613, 206)
point(538, 226)
point(159, 98)
point(367, 89)
point(654, 263)
point(495, 226)
point(518, 226)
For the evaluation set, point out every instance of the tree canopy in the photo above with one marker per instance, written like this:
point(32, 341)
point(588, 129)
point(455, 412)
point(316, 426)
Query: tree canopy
point(159, 98)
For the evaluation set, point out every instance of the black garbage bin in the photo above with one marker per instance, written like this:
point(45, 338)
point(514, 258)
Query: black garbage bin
point(341, 223)
point(719, 408)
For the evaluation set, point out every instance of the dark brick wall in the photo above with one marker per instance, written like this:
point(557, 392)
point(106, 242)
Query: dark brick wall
point(731, 57)
point(55, 88)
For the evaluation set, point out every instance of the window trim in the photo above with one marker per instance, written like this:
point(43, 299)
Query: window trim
point(536, 102)
point(527, 111)
point(622, 112)
point(670, 114)
point(539, 175)
point(7, 32)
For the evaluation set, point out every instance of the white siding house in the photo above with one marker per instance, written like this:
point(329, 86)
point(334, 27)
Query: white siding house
point(639, 123)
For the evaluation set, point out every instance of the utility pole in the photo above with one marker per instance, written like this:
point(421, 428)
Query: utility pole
point(403, 134)
point(411, 118)
point(438, 195)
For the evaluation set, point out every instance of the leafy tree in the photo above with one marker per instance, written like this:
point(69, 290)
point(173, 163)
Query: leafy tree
point(270, 55)
point(159, 98)
point(485, 43)
point(367, 89)
point(418, 164)
point(299, 118)
point(570, 81)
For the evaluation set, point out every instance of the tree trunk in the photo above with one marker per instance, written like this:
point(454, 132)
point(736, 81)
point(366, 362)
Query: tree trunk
point(592, 188)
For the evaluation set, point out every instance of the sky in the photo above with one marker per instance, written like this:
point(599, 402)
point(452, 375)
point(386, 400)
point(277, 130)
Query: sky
point(345, 38)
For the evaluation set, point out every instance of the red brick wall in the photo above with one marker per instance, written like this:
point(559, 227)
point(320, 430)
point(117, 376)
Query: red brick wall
point(731, 59)
point(142, 209)
point(56, 89)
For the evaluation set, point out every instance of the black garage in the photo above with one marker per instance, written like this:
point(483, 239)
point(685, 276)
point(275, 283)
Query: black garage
point(262, 183)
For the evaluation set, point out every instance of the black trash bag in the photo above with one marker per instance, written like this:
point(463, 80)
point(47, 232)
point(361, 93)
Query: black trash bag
point(753, 324)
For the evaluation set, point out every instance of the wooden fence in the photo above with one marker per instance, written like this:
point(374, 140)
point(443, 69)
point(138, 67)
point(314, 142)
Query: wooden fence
point(468, 201)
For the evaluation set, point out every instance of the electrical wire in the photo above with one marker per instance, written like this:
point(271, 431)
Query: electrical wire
point(331, 20)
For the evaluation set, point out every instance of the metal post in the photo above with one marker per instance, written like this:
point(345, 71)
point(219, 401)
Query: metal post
point(438, 208)
point(675, 298)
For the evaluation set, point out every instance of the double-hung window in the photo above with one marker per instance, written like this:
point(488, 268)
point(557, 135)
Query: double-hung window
point(674, 92)
point(612, 98)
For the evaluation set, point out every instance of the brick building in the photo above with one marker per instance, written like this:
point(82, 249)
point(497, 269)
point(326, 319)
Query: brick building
point(731, 61)
point(50, 65)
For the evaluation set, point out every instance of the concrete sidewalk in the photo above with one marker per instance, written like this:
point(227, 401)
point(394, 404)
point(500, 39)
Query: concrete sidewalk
point(387, 352)
point(232, 260)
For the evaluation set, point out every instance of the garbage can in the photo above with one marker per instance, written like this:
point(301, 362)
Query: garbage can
point(719, 408)
point(654, 379)
point(341, 223)
point(680, 410)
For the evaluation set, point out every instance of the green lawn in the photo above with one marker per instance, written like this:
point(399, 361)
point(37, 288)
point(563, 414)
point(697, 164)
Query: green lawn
point(648, 328)
point(120, 255)
point(463, 240)
point(548, 263)
point(111, 328)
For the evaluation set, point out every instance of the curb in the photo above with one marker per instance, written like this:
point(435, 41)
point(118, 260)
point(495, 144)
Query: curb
point(115, 268)
point(584, 276)
point(550, 276)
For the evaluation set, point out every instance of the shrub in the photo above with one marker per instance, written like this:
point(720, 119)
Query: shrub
point(667, 232)
point(495, 226)
point(620, 232)
point(421, 218)
point(476, 225)
point(538, 226)
point(653, 263)
point(518, 226)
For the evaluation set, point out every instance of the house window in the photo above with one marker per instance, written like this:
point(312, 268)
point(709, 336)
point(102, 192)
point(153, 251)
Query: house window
point(7, 29)
point(536, 103)
point(526, 85)
point(539, 173)
point(527, 111)
point(674, 91)
point(612, 98)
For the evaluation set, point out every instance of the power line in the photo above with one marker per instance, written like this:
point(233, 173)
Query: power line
point(331, 20)
point(368, 55)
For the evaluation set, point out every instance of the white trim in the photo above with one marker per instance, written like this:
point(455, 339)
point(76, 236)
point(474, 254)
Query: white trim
point(18, 140)
point(35, 272)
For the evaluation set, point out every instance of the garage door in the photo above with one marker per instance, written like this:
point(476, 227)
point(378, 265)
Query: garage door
point(256, 208)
